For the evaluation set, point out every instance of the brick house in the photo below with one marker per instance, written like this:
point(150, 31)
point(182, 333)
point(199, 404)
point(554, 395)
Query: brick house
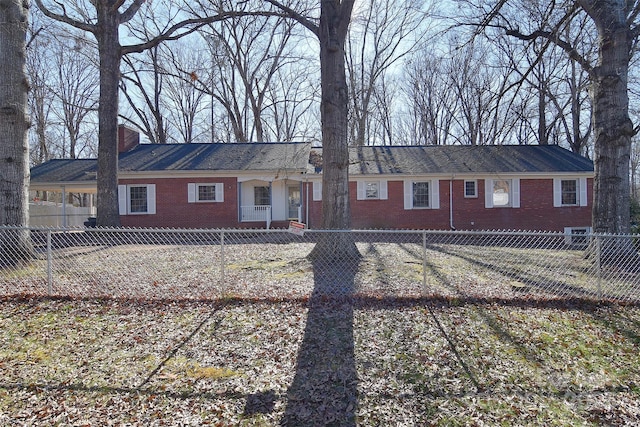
point(253, 185)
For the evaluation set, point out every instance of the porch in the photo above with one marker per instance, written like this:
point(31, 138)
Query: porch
point(270, 201)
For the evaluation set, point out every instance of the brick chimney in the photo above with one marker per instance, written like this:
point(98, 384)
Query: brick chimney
point(128, 139)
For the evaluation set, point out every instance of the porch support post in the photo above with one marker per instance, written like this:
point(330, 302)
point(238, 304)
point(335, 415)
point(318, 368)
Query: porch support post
point(64, 207)
point(239, 184)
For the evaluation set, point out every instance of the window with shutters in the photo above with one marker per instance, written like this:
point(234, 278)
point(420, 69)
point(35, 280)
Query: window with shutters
point(137, 199)
point(421, 194)
point(372, 190)
point(205, 192)
point(569, 192)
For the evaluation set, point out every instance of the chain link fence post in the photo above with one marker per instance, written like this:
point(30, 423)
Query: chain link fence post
point(424, 260)
point(49, 265)
point(599, 265)
point(222, 262)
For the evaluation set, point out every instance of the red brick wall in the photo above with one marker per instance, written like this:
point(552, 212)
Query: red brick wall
point(127, 139)
point(174, 211)
point(536, 210)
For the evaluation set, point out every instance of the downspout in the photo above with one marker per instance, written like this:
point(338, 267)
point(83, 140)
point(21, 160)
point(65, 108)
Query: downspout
point(451, 203)
point(306, 200)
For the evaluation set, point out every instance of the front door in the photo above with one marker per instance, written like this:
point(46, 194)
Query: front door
point(293, 202)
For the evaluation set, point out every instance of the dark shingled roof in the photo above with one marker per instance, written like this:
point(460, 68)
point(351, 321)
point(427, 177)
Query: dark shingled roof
point(183, 157)
point(65, 170)
point(216, 157)
point(448, 159)
point(368, 160)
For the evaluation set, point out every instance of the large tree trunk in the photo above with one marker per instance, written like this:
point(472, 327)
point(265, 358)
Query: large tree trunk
point(611, 124)
point(14, 123)
point(336, 213)
point(110, 57)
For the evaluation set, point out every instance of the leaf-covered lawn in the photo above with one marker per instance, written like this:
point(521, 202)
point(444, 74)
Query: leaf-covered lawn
point(371, 362)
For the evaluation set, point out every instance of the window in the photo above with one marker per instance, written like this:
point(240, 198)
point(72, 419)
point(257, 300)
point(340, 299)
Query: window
point(261, 196)
point(471, 188)
point(569, 192)
point(205, 192)
point(502, 193)
point(137, 199)
point(372, 190)
point(569, 188)
point(421, 194)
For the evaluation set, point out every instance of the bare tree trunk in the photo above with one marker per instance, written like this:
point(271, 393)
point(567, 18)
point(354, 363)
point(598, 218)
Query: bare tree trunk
point(336, 212)
point(14, 123)
point(110, 56)
point(612, 126)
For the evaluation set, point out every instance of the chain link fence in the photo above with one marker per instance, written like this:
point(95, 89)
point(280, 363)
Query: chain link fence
point(161, 264)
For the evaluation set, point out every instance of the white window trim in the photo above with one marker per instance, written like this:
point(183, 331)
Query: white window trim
point(514, 193)
point(557, 192)
point(192, 192)
point(434, 194)
point(317, 191)
point(383, 192)
point(124, 199)
point(475, 182)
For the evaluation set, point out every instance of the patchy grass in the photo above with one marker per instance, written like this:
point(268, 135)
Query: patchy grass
point(370, 362)
point(272, 270)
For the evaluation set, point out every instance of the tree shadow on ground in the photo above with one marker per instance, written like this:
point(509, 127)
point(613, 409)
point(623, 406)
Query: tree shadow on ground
point(324, 388)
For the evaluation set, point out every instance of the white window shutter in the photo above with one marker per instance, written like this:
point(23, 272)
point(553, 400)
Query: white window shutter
point(488, 193)
point(408, 194)
point(219, 192)
point(122, 199)
point(191, 192)
point(151, 199)
point(317, 191)
point(582, 183)
point(361, 190)
point(557, 192)
point(384, 191)
point(435, 194)
point(515, 192)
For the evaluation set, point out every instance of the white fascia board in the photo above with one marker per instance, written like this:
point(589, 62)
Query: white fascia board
point(69, 187)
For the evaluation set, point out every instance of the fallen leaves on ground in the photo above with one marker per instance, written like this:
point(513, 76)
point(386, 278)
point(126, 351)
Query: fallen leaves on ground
point(299, 362)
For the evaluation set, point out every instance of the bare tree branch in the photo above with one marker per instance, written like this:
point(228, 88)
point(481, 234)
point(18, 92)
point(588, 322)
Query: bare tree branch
point(555, 39)
point(65, 18)
point(195, 23)
point(131, 11)
point(303, 20)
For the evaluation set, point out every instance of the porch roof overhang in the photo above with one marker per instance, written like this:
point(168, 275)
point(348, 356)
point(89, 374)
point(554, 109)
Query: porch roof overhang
point(69, 187)
point(71, 175)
